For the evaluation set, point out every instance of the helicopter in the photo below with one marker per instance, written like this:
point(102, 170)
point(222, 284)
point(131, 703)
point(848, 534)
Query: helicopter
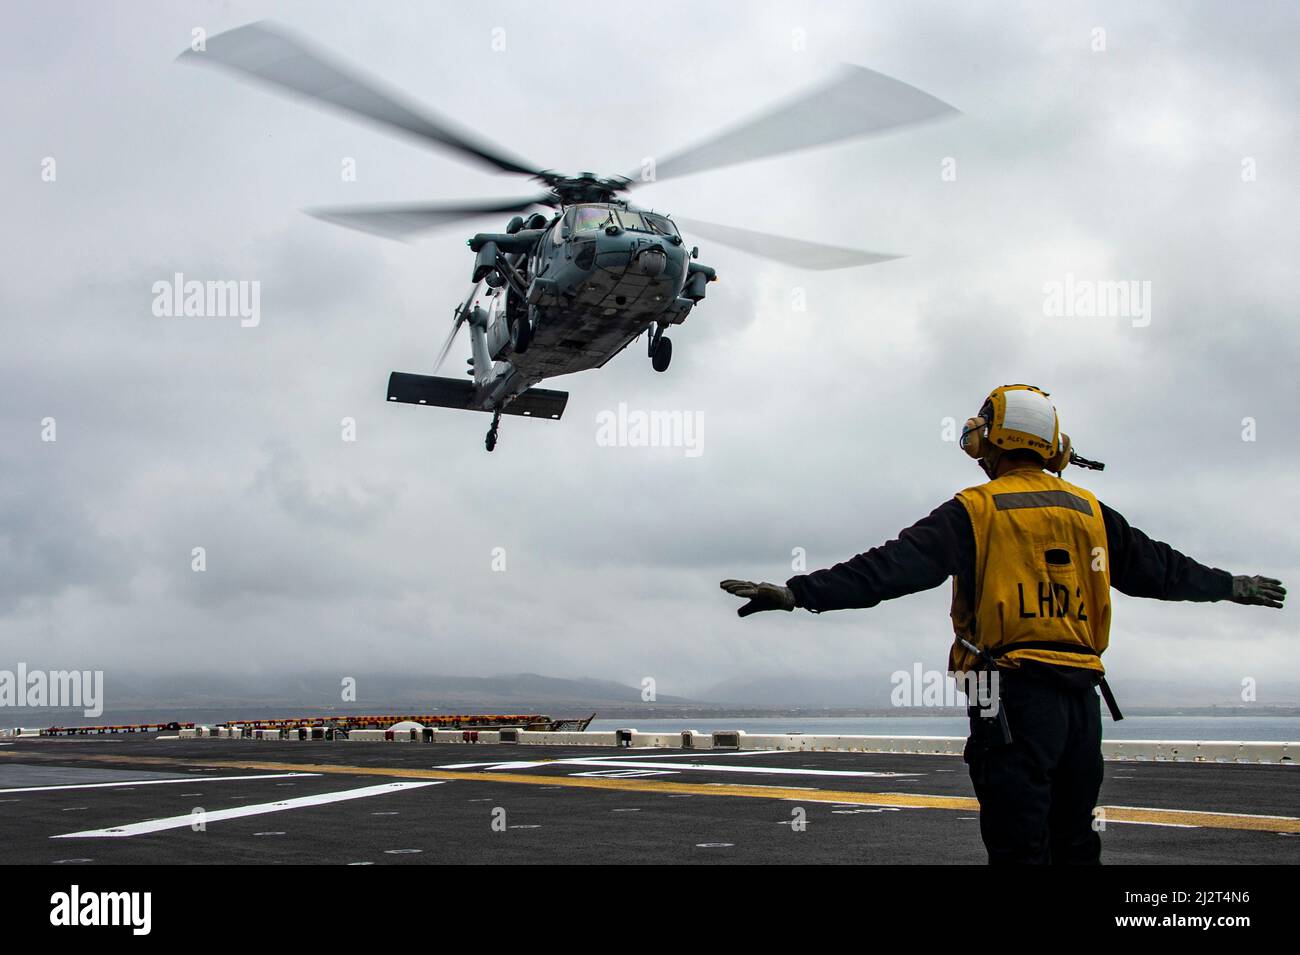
point(566, 289)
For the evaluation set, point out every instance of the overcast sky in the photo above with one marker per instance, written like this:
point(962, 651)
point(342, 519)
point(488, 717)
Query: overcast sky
point(823, 429)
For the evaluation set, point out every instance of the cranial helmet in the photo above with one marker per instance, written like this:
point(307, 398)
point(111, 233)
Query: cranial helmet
point(1016, 417)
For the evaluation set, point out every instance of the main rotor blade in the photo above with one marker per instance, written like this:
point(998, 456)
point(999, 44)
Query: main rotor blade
point(403, 220)
point(854, 102)
point(779, 248)
point(265, 52)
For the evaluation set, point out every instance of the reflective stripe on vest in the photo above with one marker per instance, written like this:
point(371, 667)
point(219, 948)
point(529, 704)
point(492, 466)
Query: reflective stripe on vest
point(1042, 578)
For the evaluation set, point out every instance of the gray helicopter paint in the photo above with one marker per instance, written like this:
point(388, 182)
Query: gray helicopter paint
point(608, 289)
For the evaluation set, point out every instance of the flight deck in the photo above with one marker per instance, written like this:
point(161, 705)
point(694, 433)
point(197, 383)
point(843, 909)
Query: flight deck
point(146, 799)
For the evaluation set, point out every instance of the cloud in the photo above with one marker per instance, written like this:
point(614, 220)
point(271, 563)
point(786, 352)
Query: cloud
point(823, 426)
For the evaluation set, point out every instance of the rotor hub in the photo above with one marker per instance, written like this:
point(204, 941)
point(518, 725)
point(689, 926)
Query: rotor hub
point(584, 187)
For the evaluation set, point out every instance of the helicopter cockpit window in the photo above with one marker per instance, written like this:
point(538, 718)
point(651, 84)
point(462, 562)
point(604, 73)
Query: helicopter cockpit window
point(590, 218)
point(659, 224)
point(632, 220)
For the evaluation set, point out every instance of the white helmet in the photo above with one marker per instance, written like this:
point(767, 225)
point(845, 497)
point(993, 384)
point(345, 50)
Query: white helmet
point(1016, 417)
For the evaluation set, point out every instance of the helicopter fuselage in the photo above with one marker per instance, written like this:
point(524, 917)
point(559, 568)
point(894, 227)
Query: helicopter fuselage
point(585, 283)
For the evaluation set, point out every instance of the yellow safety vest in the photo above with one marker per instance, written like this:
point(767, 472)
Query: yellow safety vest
point(1042, 576)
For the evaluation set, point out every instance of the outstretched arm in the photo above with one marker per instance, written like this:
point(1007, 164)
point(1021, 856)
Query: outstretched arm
point(924, 556)
point(1142, 567)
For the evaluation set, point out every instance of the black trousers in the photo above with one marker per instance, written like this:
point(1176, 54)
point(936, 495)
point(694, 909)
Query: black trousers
point(1037, 794)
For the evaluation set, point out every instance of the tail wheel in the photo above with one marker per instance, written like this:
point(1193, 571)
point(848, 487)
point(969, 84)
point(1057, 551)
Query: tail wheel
point(663, 354)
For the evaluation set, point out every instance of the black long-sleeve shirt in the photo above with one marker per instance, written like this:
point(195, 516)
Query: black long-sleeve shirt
point(943, 544)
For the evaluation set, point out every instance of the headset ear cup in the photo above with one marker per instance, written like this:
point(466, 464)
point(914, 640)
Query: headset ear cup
point(972, 439)
point(1059, 460)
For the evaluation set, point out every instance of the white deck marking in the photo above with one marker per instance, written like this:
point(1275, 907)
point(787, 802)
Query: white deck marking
point(704, 754)
point(529, 764)
point(625, 773)
point(218, 815)
point(514, 765)
point(624, 762)
point(150, 782)
point(715, 768)
point(1143, 822)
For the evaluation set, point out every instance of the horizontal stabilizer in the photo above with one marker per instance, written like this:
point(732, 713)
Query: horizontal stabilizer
point(454, 393)
point(539, 403)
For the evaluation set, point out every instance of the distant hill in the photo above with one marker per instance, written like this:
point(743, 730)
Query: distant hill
point(529, 692)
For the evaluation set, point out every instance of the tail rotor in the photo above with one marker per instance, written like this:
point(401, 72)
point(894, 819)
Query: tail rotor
point(451, 338)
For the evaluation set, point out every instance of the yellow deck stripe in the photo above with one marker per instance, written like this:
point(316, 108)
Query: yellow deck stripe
point(1206, 820)
point(654, 786)
point(1177, 817)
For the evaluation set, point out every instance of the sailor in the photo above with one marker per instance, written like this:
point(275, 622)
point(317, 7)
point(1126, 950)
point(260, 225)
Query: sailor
point(1032, 559)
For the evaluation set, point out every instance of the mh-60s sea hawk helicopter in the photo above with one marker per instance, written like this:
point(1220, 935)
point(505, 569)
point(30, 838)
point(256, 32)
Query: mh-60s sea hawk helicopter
point(567, 290)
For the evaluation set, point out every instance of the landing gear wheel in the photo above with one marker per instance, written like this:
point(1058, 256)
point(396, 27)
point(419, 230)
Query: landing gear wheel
point(490, 442)
point(662, 354)
point(523, 334)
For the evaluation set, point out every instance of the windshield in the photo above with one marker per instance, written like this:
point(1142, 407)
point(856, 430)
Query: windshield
point(660, 224)
point(646, 222)
point(587, 218)
point(632, 220)
point(595, 218)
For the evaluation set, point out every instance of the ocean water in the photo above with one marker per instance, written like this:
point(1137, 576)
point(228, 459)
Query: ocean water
point(1235, 728)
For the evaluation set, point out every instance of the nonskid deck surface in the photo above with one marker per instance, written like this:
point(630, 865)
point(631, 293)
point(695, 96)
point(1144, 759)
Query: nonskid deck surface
point(141, 800)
